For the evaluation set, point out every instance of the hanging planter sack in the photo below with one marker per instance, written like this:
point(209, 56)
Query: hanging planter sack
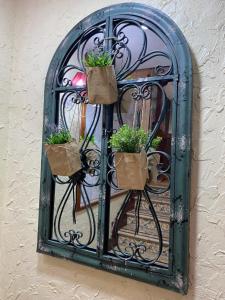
point(64, 159)
point(102, 85)
point(131, 170)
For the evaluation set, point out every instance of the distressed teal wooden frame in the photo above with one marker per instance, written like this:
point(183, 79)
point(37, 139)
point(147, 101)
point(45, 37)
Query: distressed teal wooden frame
point(176, 276)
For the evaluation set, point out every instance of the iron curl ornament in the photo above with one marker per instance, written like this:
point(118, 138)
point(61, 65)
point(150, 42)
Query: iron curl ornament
point(73, 96)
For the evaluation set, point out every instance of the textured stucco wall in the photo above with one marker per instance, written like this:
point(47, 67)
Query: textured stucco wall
point(39, 26)
point(6, 42)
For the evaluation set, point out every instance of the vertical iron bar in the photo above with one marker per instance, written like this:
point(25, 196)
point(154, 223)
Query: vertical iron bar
point(104, 198)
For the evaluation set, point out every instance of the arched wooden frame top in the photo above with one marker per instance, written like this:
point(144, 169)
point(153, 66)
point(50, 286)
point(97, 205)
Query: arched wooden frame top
point(174, 277)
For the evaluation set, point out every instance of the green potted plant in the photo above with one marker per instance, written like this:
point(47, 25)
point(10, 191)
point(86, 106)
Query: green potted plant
point(63, 153)
point(131, 161)
point(130, 157)
point(101, 78)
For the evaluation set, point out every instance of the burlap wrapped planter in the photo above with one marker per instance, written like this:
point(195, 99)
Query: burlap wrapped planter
point(131, 170)
point(64, 159)
point(102, 85)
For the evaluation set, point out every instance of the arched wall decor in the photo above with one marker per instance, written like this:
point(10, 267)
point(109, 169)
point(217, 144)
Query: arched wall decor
point(85, 217)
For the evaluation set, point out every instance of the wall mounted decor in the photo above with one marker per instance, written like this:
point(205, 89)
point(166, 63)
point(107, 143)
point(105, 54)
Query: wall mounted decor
point(85, 217)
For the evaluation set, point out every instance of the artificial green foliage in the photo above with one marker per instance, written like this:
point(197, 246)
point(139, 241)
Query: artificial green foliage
point(156, 142)
point(61, 137)
point(128, 139)
point(101, 59)
point(131, 140)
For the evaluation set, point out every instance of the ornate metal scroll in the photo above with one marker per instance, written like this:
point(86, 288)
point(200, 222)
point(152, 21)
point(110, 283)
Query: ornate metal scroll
point(122, 52)
point(141, 90)
point(76, 186)
point(88, 177)
point(134, 249)
point(69, 69)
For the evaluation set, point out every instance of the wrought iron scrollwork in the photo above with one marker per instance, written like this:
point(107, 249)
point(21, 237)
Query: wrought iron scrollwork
point(91, 168)
point(136, 250)
point(71, 236)
point(69, 69)
point(123, 53)
point(142, 234)
point(89, 175)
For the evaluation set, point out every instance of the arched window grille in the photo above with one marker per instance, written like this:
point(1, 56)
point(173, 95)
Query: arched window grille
point(85, 217)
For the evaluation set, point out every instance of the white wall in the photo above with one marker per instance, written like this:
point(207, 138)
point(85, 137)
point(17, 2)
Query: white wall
point(40, 25)
point(6, 42)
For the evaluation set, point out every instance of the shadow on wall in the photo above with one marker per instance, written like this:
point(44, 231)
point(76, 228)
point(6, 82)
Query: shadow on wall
point(195, 150)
